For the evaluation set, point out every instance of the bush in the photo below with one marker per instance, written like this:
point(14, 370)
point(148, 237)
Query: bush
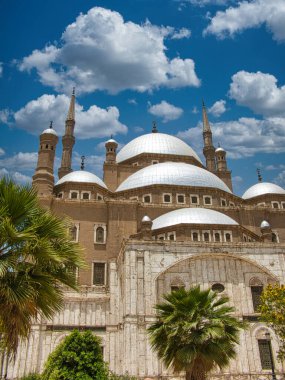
point(78, 357)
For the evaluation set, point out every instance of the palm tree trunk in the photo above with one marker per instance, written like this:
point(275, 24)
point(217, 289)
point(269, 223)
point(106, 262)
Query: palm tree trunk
point(192, 376)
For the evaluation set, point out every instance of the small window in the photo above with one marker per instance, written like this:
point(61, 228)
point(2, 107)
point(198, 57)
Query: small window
point(264, 346)
point(194, 199)
point(154, 162)
point(135, 164)
point(99, 197)
point(217, 236)
point(231, 204)
point(195, 236)
point(275, 238)
point(46, 146)
point(100, 235)
point(283, 205)
point(147, 198)
point(206, 236)
point(244, 238)
point(161, 237)
point(74, 195)
point(180, 198)
point(223, 202)
point(167, 198)
point(275, 204)
point(207, 200)
point(228, 237)
point(59, 195)
point(256, 292)
point(74, 232)
point(171, 236)
point(174, 288)
point(99, 273)
point(85, 196)
point(218, 288)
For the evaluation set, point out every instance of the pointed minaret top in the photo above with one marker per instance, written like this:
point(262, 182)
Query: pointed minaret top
point(154, 128)
point(206, 124)
point(71, 111)
point(259, 176)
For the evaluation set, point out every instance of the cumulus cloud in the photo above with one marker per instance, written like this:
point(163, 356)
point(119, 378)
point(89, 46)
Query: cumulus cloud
point(94, 122)
point(259, 92)
point(5, 115)
point(2, 152)
point(16, 176)
point(166, 111)
point(218, 108)
point(20, 161)
point(181, 33)
point(133, 102)
point(280, 179)
point(250, 14)
point(114, 55)
point(203, 3)
point(243, 137)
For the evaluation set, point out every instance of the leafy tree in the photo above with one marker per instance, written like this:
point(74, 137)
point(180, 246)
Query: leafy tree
point(195, 331)
point(36, 256)
point(272, 311)
point(78, 357)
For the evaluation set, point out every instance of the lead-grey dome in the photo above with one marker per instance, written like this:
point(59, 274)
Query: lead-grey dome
point(192, 216)
point(173, 173)
point(262, 188)
point(81, 176)
point(160, 143)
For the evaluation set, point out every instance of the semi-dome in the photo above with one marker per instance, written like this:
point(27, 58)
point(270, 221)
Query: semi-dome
point(81, 176)
point(262, 188)
point(50, 131)
point(159, 143)
point(264, 225)
point(220, 149)
point(192, 216)
point(173, 173)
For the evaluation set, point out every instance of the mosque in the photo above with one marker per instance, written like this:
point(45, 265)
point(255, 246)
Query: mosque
point(159, 220)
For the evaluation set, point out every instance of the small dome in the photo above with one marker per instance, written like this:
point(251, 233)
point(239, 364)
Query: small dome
point(173, 173)
point(159, 143)
point(220, 149)
point(192, 216)
point(264, 224)
point(262, 188)
point(81, 176)
point(50, 131)
point(146, 219)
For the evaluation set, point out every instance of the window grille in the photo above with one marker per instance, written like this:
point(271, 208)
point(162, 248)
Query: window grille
point(100, 235)
point(98, 273)
point(264, 353)
point(256, 293)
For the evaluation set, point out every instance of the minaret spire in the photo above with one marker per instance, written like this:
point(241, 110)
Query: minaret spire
point(68, 139)
point(209, 149)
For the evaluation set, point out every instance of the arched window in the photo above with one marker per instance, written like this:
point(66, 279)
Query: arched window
point(217, 236)
point(218, 288)
point(100, 235)
point(86, 196)
point(195, 236)
point(73, 231)
point(256, 288)
point(228, 237)
point(206, 236)
point(74, 195)
point(274, 238)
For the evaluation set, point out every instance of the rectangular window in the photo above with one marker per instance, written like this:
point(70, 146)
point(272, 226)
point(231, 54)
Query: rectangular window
point(264, 353)
point(275, 204)
point(207, 200)
point(147, 198)
point(99, 273)
point(194, 199)
point(74, 194)
point(180, 198)
point(223, 202)
point(256, 294)
point(167, 198)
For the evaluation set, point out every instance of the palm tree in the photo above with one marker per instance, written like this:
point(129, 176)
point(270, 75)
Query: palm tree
point(36, 257)
point(195, 331)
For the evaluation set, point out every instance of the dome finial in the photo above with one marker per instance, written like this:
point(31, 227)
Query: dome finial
point(50, 125)
point(73, 90)
point(154, 128)
point(82, 162)
point(259, 175)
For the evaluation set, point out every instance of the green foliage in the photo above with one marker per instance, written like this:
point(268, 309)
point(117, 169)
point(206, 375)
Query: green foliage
point(195, 331)
point(32, 376)
point(272, 311)
point(36, 255)
point(78, 357)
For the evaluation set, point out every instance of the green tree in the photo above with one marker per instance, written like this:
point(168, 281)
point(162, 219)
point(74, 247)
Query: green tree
point(36, 256)
point(78, 357)
point(272, 309)
point(195, 331)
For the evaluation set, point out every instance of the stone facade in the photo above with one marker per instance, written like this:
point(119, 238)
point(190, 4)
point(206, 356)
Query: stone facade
point(130, 265)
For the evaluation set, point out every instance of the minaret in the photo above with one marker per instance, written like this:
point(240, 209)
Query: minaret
point(208, 150)
point(43, 179)
point(68, 139)
point(110, 176)
point(221, 160)
point(111, 147)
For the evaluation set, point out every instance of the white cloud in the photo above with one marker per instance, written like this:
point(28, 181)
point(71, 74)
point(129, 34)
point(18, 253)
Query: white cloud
point(20, 161)
point(218, 108)
point(195, 110)
point(114, 55)
point(166, 111)
point(259, 92)
point(16, 176)
point(2, 152)
point(280, 179)
point(132, 101)
point(243, 137)
point(181, 33)
point(5, 115)
point(250, 14)
point(94, 122)
point(203, 3)
point(138, 129)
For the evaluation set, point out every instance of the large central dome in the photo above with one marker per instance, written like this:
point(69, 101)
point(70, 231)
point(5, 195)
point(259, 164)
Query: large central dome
point(159, 143)
point(173, 173)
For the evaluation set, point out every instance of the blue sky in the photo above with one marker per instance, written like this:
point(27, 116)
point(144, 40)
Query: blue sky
point(135, 61)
